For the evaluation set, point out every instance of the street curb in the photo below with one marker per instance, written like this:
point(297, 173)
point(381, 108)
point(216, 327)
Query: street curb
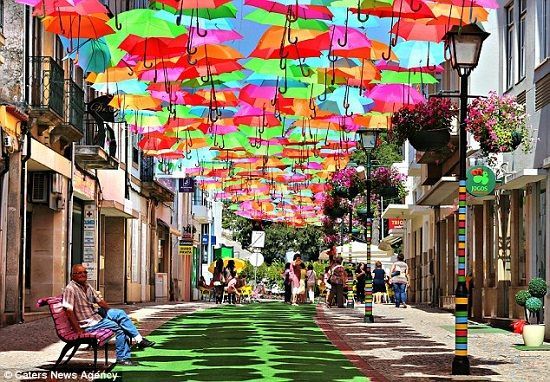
point(342, 345)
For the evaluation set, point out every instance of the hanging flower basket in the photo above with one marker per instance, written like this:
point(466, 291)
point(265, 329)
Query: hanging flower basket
point(336, 212)
point(426, 125)
point(333, 208)
point(347, 183)
point(388, 183)
point(388, 192)
point(362, 214)
point(499, 124)
point(430, 140)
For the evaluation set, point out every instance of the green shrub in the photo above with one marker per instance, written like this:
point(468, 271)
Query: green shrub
point(538, 287)
point(534, 304)
point(522, 296)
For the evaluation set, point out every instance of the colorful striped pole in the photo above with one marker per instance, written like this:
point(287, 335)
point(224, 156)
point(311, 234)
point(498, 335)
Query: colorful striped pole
point(461, 363)
point(368, 281)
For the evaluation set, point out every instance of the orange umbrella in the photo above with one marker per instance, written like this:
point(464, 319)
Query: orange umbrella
point(135, 102)
point(78, 26)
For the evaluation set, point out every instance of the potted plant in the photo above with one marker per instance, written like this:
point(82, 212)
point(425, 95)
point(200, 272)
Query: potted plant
point(347, 183)
point(532, 300)
point(426, 125)
point(388, 183)
point(498, 123)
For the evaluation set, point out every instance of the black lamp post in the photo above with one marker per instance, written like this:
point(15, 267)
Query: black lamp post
point(464, 43)
point(368, 139)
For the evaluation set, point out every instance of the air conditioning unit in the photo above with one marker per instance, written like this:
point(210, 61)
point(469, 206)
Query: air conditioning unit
point(40, 192)
point(57, 183)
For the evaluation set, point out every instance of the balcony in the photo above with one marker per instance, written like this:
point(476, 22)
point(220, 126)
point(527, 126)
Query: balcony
point(200, 213)
point(148, 184)
point(47, 90)
point(91, 154)
point(72, 128)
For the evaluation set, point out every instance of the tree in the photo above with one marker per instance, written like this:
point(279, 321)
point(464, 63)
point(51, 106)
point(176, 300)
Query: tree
point(386, 154)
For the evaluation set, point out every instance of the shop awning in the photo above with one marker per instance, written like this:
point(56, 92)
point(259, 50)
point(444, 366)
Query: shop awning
point(113, 208)
point(44, 158)
point(444, 192)
point(523, 177)
point(397, 211)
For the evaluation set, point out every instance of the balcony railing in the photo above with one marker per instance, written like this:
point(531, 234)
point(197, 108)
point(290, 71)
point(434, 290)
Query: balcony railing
point(147, 169)
point(47, 85)
point(74, 105)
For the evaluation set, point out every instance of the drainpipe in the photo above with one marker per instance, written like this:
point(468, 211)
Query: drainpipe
point(70, 202)
point(22, 252)
point(126, 196)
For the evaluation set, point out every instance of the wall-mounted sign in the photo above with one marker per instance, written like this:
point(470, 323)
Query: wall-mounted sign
point(187, 184)
point(480, 181)
point(396, 223)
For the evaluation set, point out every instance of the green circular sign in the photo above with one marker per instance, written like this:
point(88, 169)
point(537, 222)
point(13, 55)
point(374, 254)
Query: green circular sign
point(480, 181)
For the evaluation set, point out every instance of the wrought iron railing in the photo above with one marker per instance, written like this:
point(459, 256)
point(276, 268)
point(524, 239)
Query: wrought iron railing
point(90, 134)
point(74, 105)
point(47, 84)
point(147, 169)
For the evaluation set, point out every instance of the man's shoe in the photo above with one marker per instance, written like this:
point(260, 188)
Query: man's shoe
point(125, 362)
point(145, 343)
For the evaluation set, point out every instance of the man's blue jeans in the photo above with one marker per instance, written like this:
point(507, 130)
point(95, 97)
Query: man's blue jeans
point(400, 294)
point(118, 321)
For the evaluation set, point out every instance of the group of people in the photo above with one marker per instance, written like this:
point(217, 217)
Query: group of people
point(298, 281)
point(225, 281)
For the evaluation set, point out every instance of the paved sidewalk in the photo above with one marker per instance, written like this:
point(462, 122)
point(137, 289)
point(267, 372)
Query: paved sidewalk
point(416, 344)
point(34, 346)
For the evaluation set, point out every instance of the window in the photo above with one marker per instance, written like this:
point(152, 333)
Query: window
point(1, 15)
point(521, 38)
point(135, 149)
point(522, 232)
point(509, 46)
point(543, 28)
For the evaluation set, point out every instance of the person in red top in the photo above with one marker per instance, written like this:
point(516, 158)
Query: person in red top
point(295, 274)
point(337, 279)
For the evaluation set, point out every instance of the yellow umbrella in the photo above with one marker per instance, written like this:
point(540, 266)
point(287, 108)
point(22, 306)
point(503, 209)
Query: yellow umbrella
point(239, 265)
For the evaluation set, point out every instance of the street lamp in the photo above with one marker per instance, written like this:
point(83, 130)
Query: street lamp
point(464, 44)
point(368, 139)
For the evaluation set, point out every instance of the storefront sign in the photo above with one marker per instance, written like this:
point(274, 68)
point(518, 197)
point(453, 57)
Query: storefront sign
point(396, 223)
point(89, 240)
point(480, 181)
point(185, 250)
point(187, 184)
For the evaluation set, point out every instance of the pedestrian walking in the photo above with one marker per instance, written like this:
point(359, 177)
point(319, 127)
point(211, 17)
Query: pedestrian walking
point(378, 282)
point(302, 289)
point(337, 279)
point(219, 280)
point(360, 278)
point(232, 291)
point(399, 279)
point(80, 300)
point(311, 277)
point(287, 283)
point(295, 273)
point(326, 281)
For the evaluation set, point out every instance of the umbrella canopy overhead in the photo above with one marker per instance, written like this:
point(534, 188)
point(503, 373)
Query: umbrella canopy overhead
point(261, 117)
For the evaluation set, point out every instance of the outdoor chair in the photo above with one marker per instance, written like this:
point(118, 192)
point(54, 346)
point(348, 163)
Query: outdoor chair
point(73, 339)
point(246, 294)
point(206, 293)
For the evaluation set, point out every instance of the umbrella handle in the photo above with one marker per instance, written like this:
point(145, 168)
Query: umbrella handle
point(359, 18)
point(388, 56)
point(414, 9)
point(198, 26)
point(345, 41)
point(292, 17)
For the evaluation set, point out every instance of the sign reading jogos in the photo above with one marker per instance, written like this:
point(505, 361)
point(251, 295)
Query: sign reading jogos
point(480, 181)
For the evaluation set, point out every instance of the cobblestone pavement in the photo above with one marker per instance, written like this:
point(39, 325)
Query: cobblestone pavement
point(33, 347)
point(414, 344)
point(417, 343)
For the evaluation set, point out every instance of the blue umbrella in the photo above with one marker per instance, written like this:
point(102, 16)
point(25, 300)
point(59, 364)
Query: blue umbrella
point(414, 54)
point(335, 102)
point(91, 55)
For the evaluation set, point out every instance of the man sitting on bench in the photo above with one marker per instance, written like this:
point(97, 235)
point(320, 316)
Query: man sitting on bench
point(78, 300)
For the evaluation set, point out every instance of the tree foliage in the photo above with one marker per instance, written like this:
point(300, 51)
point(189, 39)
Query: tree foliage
point(279, 237)
point(386, 154)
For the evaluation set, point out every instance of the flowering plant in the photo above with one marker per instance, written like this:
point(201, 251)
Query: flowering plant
point(498, 123)
point(347, 183)
point(517, 326)
point(388, 180)
point(434, 114)
point(333, 207)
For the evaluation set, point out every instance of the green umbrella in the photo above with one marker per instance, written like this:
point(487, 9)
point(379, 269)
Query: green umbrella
point(408, 77)
point(268, 132)
point(262, 16)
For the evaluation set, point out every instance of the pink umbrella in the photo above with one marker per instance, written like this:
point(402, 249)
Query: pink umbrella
point(214, 36)
point(304, 11)
point(353, 38)
point(391, 97)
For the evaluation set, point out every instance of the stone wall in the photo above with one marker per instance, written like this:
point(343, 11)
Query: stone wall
point(12, 69)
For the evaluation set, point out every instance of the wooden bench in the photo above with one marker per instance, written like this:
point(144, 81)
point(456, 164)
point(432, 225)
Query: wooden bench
point(73, 339)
